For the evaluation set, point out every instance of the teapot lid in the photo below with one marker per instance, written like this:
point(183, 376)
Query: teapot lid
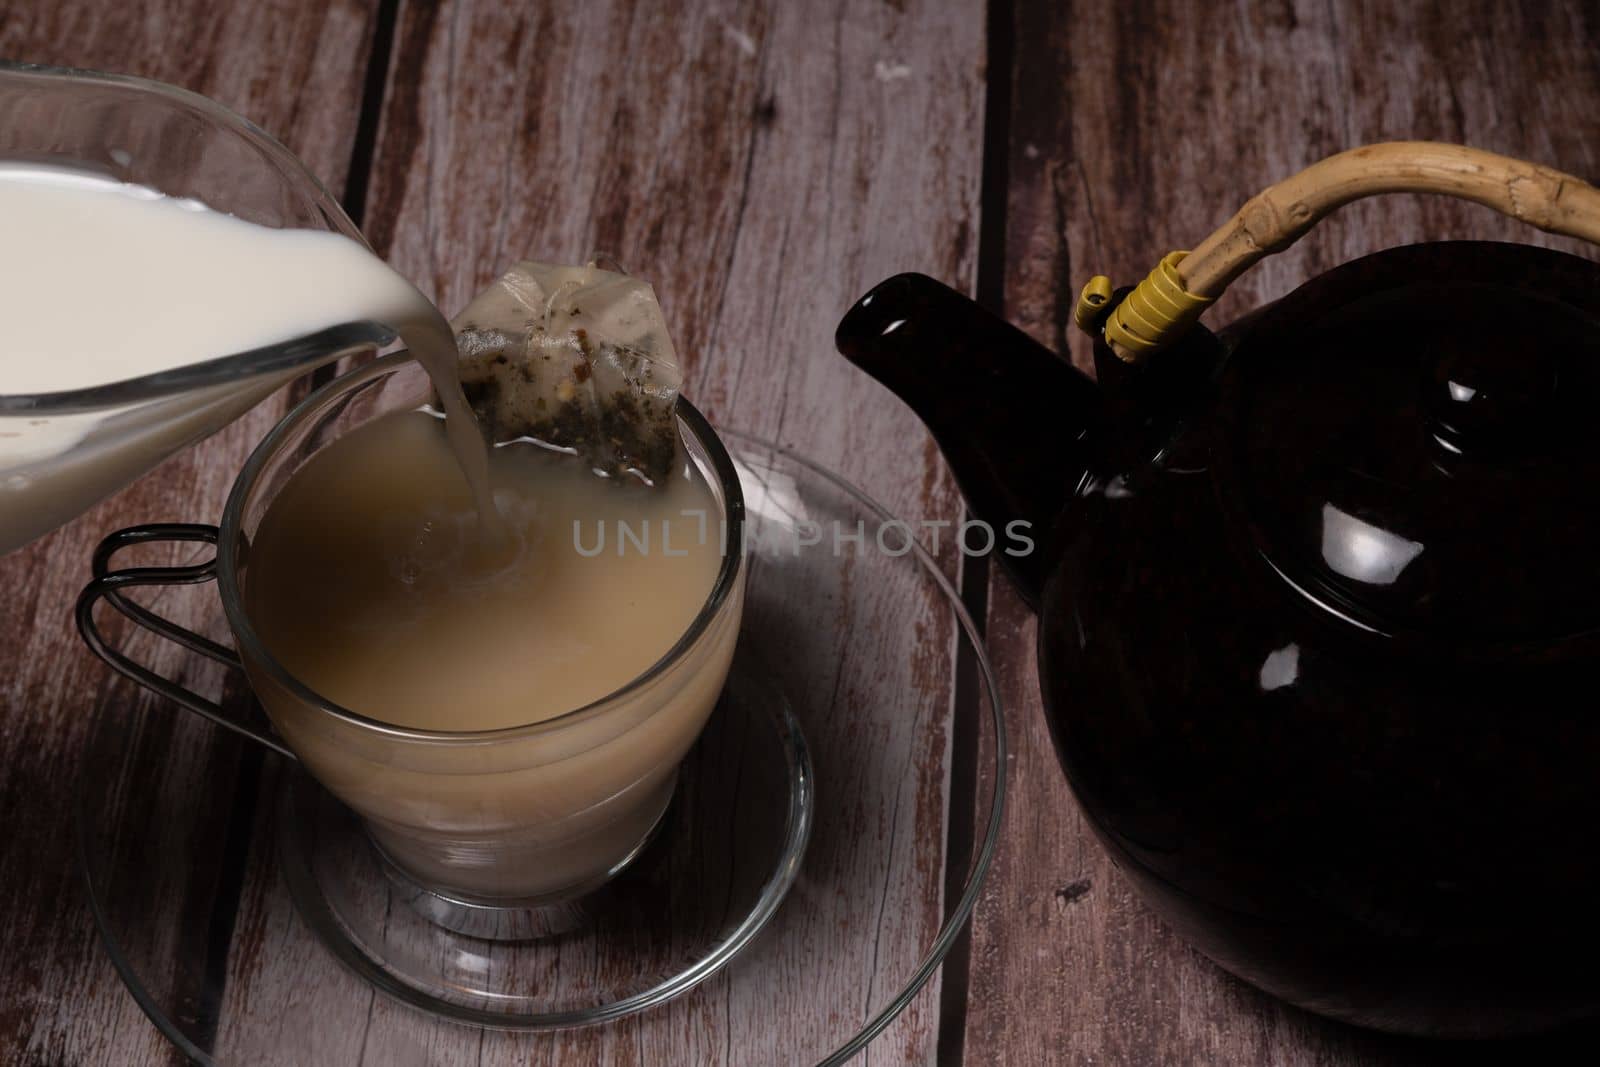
point(1414, 439)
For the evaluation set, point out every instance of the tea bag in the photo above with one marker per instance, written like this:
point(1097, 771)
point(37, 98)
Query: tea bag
point(577, 358)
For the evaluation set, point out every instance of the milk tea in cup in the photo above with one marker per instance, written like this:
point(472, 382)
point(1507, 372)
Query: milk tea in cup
point(379, 594)
point(511, 703)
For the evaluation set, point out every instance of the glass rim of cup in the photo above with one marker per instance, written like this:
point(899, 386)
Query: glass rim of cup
point(229, 537)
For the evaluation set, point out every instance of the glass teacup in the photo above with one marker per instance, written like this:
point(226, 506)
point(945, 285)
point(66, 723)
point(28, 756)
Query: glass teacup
point(524, 816)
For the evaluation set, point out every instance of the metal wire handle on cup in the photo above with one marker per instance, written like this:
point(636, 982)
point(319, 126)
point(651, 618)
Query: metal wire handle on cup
point(110, 585)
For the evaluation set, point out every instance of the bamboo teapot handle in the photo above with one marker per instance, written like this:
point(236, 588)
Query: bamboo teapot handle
point(1163, 306)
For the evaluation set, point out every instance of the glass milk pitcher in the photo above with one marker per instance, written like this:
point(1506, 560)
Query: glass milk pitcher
point(62, 452)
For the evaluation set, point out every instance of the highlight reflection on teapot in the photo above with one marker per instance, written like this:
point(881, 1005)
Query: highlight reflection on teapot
point(1319, 610)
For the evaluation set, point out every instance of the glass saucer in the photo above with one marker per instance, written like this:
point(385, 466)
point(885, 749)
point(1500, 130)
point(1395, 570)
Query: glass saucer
point(228, 888)
point(491, 964)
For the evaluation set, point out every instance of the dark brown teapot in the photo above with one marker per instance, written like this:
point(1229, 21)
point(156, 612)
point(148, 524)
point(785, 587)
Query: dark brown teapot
point(1319, 592)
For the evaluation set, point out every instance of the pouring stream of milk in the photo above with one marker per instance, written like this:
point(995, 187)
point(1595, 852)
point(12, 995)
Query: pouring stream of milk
point(103, 281)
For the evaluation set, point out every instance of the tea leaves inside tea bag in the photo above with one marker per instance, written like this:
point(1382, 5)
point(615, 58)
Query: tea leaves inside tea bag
point(577, 358)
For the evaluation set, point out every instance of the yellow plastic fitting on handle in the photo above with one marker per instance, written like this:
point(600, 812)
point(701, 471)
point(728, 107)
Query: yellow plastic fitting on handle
point(1091, 302)
point(1158, 310)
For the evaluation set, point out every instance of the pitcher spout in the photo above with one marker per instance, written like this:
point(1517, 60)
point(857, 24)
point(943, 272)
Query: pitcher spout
point(1012, 418)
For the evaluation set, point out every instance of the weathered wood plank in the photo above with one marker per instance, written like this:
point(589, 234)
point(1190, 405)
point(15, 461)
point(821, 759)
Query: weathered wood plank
point(762, 164)
point(295, 69)
point(800, 136)
point(1136, 128)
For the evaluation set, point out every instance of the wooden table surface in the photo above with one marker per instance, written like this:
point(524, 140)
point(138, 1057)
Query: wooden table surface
point(764, 162)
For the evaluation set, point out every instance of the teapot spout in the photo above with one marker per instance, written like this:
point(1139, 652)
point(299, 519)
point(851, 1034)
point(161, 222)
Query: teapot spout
point(1012, 418)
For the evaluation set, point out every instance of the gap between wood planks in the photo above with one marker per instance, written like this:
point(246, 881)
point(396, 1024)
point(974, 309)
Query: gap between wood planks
point(989, 289)
point(248, 782)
